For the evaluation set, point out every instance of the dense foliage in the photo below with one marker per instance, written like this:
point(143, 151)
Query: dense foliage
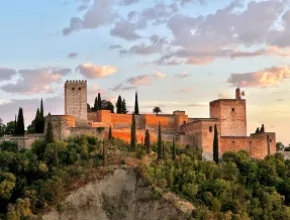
point(30, 180)
point(236, 188)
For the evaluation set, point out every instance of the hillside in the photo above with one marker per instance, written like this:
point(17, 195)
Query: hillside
point(120, 195)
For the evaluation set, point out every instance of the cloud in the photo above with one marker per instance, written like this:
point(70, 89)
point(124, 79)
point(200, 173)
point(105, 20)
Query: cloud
point(6, 73)
point(127, 30)
point(264, 78)
point(203, 104)
point(156, 45)
point(122, 87)
point(145, 79)
point(182, 75)
point(99, 14)
point(33, 81)
point(128, 2)
point(187, 90)
point(115, 46)
point(72, 55)
point(92, 71)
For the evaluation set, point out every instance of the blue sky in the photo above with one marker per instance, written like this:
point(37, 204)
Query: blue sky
point(215, 45)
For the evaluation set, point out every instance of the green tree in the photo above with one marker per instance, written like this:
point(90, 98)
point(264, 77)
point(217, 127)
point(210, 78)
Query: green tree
point(133, 133)
point(107, 105)
point(7, 184)
point(41, 118)
point(104, 154)
point(119, 105)
point(147, 141)
point(124, 107)
point(10, 128)
point(99, 101)
point(15, 125)
point(156, 110)
point(262, 130)
point(2, 128)
point(49, 132)
point(110, 133)
point(20, 130)
point(96, 104)
point(159, 143)
point(173, 149)
point(215, 145)
point(136, 108)
point(257, 131)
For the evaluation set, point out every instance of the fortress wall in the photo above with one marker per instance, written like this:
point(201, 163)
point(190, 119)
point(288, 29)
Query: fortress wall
point(61, 125)
point(167, 123)
point(235, 144)
point(23, 142)
point(92, 116)
point(104, 116)
point(121, 120)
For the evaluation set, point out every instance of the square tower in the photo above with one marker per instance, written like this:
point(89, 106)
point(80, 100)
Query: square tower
point(75, 92)
point(231, 114)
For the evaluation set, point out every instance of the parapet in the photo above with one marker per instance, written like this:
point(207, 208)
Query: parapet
point(76, 82)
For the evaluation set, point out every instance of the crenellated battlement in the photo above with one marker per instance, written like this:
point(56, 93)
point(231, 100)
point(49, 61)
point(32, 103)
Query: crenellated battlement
point(76, 82)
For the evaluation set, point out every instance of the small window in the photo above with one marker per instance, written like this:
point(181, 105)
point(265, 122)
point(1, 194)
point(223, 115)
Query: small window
point(210, 128)
point(270, 140)
point(73, 88)
point(233, 109)
point(250, 142)
point(233, 142)
point(79, 88)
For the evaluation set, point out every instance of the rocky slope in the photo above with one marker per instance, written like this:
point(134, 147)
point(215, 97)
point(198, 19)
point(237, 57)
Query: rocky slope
point(120, 195)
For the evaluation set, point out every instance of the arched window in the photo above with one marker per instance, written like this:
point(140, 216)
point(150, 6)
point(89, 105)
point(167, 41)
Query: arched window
point(210, 128)
point(79, 88)
point(233, 109)
point(73, 88)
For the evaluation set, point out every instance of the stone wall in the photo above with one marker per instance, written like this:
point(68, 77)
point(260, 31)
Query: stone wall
point(61, 125)
point(23, 142)
point(232, 115)
point(76, 99)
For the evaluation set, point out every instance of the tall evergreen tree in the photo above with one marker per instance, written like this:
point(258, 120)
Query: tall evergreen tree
point(119, 105)
point(215, 145)
point(124, 107)
point(96, 104)
point(99, 102)
point(257, 130)
point(147, 141)
point(20, 129)
point(136, 109)
point(110, 133)
point(163, 150)
point(41, 119)
point(159, 143)
point(133, 133)
point(36, 123)
point(15, 125)
point(173, 149)
point(49, 132)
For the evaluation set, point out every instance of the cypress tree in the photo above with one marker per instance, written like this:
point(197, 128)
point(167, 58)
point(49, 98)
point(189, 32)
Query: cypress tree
point(215, 145)
point(20, 130)
point(119, 105)
point(41, 118)
point(37, 122)
point(133, 133)
point(173, 149)
point(110, 133)
point(15, 125)
point(136, 110)
point(96, 104)
point(159, 143)
point(257, 131)
point(99, 102)
point(49, 132)
point(147, 141)
point(124, 107)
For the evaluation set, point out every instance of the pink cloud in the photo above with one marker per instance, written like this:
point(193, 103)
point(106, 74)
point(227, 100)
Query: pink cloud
point(95, 71)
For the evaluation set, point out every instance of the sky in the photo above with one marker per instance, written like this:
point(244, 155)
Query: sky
point(177, 54)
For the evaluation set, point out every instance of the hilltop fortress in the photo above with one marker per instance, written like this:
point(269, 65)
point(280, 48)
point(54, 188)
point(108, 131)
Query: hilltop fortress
point(229, 115)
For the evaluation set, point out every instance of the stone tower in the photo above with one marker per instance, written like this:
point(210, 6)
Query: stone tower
point(231, 114)
point(75, 104)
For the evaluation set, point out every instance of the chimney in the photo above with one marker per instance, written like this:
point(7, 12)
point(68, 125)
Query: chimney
point(238, 93)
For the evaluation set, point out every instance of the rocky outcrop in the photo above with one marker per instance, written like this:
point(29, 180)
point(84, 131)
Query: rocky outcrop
point(120, 195)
